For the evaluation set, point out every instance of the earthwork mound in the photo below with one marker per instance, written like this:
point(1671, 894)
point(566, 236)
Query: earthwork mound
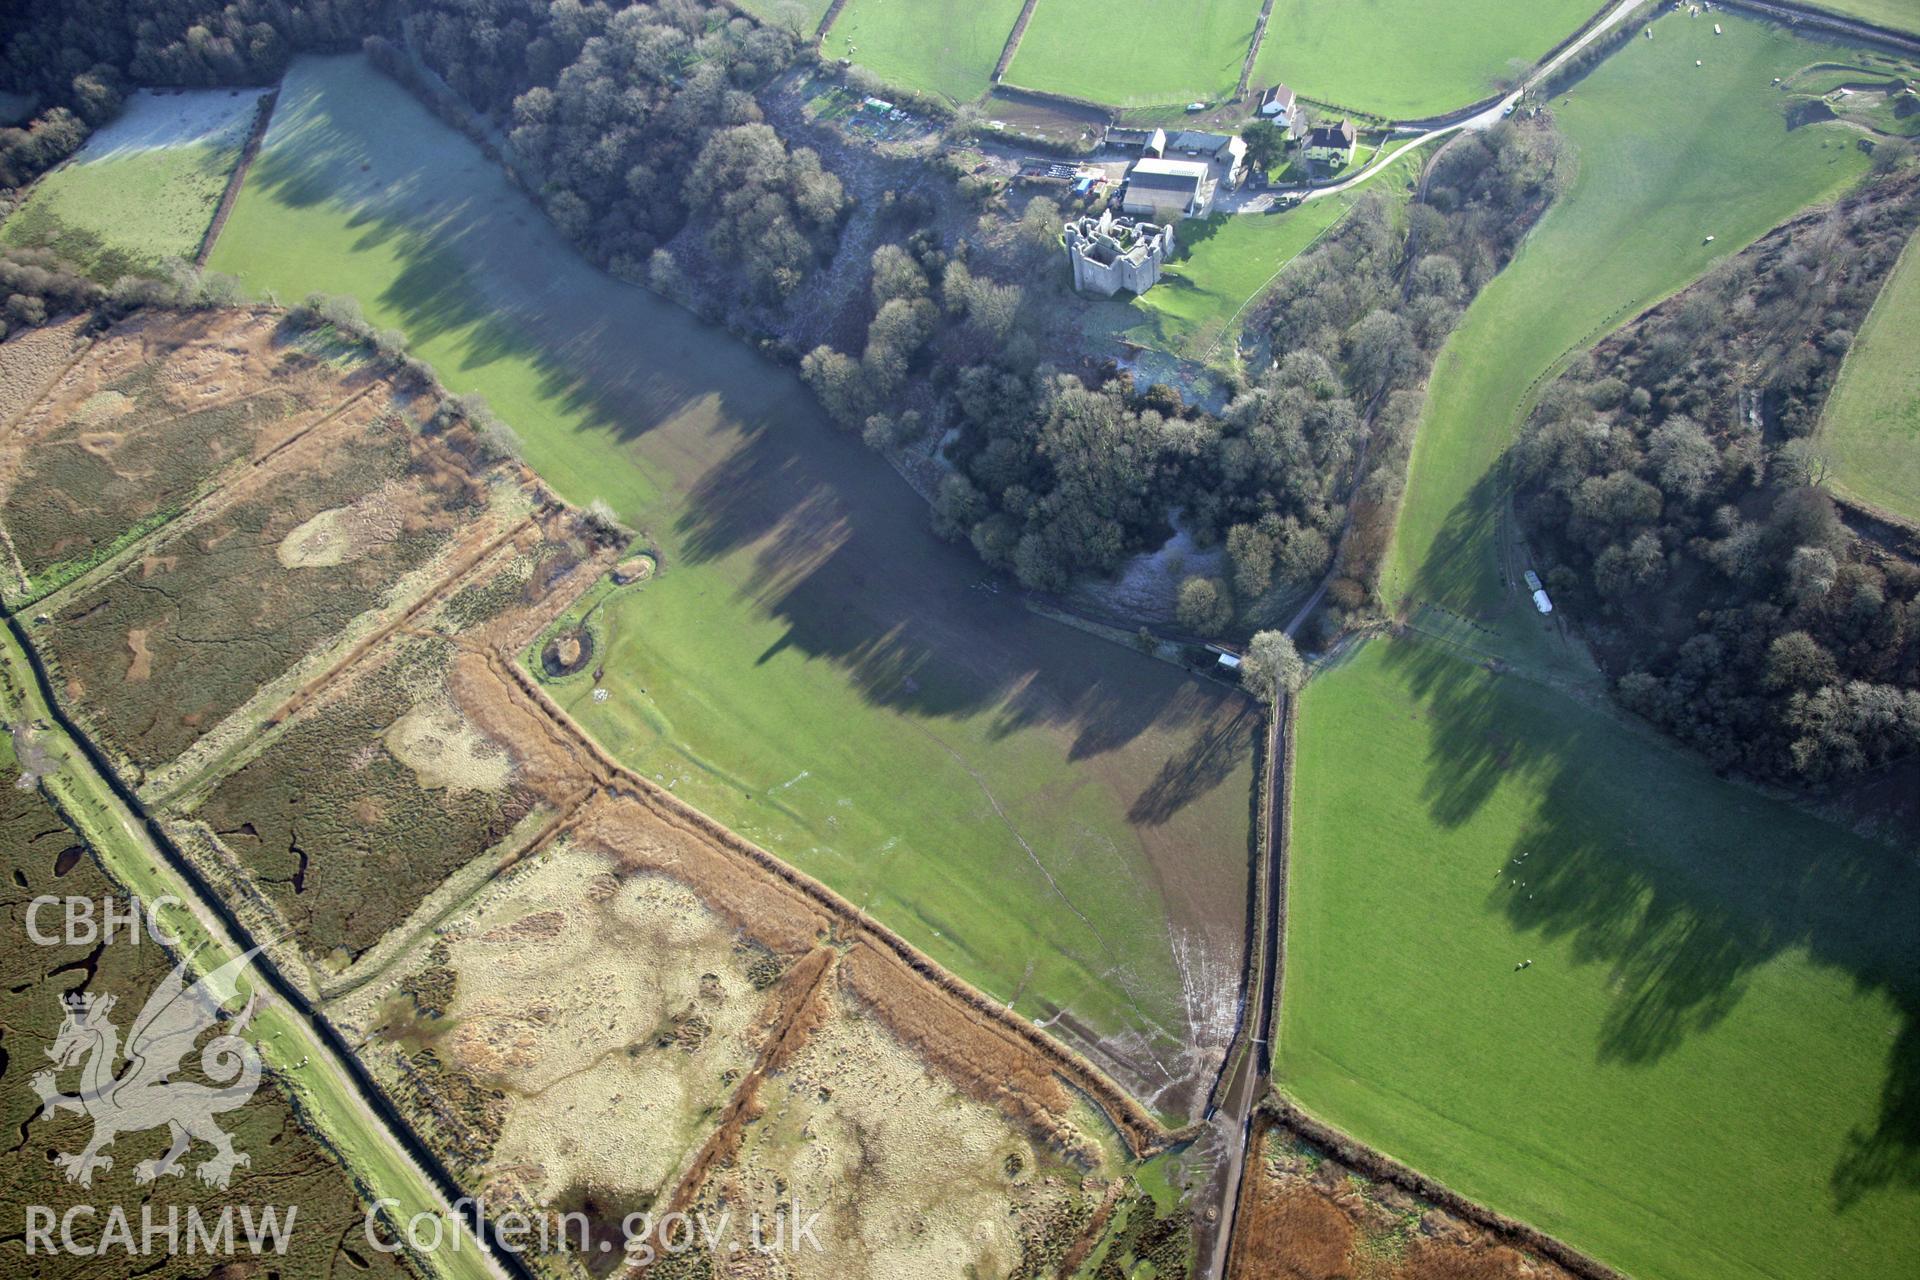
point(566, 653)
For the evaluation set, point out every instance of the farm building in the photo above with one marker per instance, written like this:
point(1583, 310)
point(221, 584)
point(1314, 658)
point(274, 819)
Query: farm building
point(1109, 254)
point(1166, 190)
point(1278, 105)
point(1229, 152)
point(1333, 143)
point(1148, 142)
point(1224, 658)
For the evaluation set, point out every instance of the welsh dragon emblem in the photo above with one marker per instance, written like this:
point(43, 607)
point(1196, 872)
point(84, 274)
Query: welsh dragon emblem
point(141, 1095)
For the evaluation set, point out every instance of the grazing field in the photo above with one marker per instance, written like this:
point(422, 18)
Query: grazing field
point(1135, 53)
point(144, 187)
point(1222, 264)
point(1709, 1068)
point(41, 855)
point(948, 48)
point(1062, 821)
point(1871, 427)
point(1405, 59)
point(1669, 154)
point(1900, 15)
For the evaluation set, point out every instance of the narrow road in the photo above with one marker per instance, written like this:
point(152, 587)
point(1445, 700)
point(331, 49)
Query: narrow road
point(1253, 1073)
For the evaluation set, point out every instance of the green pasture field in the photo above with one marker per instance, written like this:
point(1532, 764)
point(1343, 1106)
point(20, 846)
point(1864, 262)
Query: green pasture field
point(1900, 15)
point(1871, 428)
point(1061, 820)
point(1135, 53)
point(1668, 154)
point(1709, 1070)
point(142, 189)
point(1409, 59)
point(1223, 263)
point(943, 47)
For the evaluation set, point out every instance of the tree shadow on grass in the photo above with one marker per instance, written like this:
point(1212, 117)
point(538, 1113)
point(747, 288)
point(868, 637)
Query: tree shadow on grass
point(1215, 752)
point(814, 529)
point(1682, 883)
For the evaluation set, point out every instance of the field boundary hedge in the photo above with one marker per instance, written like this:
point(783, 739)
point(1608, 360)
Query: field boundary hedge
point(1013, 40)
point(262, 117)
point(1826, 20)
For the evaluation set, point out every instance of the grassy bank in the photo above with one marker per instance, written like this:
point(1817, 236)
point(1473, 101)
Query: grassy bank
point(1871, 427)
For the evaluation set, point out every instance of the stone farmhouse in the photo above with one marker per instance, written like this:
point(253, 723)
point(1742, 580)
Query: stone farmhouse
point(1109, 254)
